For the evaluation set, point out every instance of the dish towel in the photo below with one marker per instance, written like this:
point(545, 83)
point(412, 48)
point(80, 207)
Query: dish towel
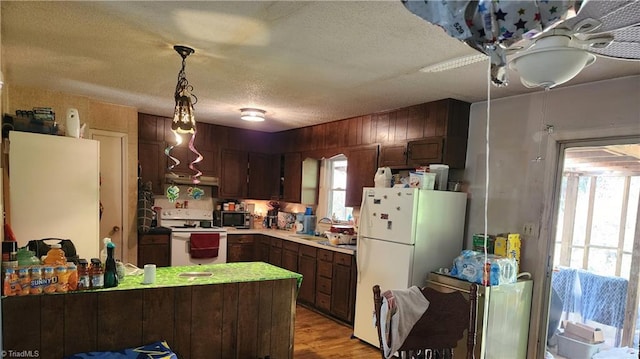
point(401, 309)
point(204, 245)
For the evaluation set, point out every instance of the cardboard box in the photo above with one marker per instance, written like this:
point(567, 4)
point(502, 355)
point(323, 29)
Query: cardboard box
point(575, 349)
point(508, 245)
point(422, 180)
point(583, 332)
point(478, 243)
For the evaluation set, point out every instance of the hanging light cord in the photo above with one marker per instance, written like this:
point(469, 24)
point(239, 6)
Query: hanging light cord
point(486, 182)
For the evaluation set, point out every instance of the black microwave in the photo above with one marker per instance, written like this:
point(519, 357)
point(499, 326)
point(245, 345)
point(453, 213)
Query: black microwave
point(232, 219)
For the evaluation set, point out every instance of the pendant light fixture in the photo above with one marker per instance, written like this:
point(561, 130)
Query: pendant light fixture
point(184, 122)
point(183, 119)
point(252, 114)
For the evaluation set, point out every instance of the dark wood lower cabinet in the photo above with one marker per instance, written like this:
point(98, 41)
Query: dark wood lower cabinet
point(275, 252)
point(290, 255)
point(263, 245)
point(154, 248)
point(307, 267)
point(241, 248)
point(343, 287)
point(328, 277)
point(231, 320)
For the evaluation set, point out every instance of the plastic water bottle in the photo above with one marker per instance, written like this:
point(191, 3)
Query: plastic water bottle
point(103, 251)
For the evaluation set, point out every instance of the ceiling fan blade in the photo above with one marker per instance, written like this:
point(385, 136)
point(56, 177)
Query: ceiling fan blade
point(454, 63)
point(613, 15)
point(626, 44)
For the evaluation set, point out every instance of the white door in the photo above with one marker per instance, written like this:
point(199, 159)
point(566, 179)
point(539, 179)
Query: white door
point(387, 214)
point(383, 263)
point(113, 161)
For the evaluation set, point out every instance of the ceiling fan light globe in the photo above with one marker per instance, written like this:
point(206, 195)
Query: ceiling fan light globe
point(550, 67)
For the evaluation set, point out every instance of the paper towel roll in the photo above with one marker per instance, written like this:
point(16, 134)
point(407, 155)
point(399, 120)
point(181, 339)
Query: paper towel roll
point(149, 274)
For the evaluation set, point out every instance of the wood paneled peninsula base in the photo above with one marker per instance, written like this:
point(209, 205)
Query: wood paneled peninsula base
point(243, 310)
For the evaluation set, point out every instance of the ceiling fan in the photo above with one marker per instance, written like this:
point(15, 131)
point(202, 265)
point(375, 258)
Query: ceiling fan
point(558, 53)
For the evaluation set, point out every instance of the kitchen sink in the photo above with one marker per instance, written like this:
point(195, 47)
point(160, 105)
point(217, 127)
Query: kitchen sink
point(195, 274)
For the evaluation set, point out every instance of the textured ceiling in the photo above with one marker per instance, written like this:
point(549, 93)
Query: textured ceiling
point(303, 62)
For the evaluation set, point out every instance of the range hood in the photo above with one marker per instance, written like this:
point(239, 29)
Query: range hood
point(186, 179)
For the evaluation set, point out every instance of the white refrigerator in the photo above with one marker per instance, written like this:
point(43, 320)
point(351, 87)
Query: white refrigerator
point(403, 234)
point(54, 186)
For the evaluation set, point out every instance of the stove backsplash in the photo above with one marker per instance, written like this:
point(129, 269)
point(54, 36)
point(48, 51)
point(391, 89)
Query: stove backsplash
point(204, 202)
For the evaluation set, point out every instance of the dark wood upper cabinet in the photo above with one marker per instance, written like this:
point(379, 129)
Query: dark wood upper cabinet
point(263, 176)
point(425, 152)
point(393, 155)
point(434, 132)
point(362, 163)
point(292, 177)
point(233, 173)
point(150, 127)
point(440, 132)
point(152, 164)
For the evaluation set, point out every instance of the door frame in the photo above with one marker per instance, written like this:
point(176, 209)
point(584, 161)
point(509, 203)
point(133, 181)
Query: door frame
point(124, 139)
point(555, 154)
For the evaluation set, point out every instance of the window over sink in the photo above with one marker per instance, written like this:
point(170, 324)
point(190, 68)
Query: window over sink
point(333, 185)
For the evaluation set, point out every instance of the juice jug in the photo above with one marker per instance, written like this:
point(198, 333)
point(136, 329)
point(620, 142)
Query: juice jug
point(55, 256)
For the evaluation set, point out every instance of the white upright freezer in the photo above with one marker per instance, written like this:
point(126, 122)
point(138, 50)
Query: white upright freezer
point(403, 234)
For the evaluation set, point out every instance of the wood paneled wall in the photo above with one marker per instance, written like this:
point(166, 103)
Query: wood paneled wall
point(446, 117)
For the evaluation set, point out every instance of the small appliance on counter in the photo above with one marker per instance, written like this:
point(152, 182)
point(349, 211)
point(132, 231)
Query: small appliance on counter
point(271, 220)
point(240, 220)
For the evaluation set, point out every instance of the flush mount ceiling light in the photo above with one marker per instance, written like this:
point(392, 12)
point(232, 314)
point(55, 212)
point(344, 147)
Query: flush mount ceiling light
point(183, 118)
point(252, 114)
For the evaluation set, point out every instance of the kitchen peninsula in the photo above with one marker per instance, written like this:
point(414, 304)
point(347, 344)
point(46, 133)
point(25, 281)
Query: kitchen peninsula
point(244, 310)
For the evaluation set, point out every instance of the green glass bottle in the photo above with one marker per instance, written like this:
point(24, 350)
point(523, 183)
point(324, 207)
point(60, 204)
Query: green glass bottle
point(110, 270)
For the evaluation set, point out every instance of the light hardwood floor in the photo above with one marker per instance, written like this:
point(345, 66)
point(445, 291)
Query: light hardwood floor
point(317, 336)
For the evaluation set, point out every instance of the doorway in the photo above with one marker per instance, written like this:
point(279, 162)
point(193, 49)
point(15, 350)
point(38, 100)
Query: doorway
point(596, 261)
point(113, 184)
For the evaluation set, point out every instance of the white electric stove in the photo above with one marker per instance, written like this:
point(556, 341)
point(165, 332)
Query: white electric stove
point(183, 222)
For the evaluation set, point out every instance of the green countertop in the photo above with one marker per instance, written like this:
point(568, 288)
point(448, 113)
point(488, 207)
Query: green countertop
point(221, 273)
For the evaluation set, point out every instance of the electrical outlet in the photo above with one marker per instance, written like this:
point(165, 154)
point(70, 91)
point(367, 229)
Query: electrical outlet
point(529, 229)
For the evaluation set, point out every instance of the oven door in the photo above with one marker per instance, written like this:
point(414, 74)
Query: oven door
point(180, 249)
